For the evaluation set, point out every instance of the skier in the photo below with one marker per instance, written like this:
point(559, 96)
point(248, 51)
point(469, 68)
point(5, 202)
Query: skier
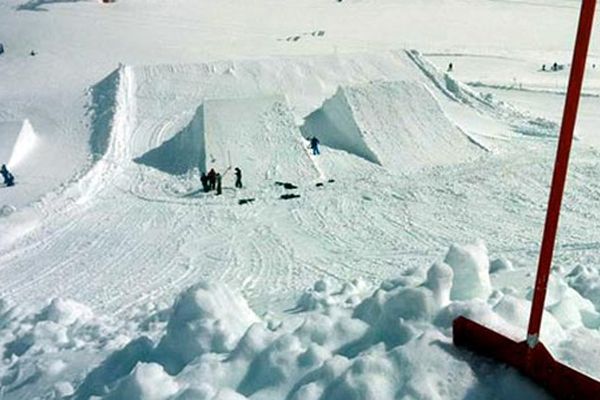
point(212, 179)
point(543, 67)
point(218, 178)
point(450, 67)
point(238, 178)
point(9, 179)
point(204, 181)
point(314, 145)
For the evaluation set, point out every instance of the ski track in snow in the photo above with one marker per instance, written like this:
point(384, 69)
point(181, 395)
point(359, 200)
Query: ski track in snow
point(371, 222)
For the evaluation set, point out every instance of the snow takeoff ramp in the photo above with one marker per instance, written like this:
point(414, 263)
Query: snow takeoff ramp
point(18, 139)
point(399, 125)
point(257, 135)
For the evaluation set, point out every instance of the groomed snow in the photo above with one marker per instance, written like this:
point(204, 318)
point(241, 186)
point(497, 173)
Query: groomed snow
point(121, 279)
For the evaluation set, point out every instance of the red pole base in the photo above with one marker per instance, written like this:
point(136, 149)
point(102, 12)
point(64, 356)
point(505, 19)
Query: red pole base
point(536, 363)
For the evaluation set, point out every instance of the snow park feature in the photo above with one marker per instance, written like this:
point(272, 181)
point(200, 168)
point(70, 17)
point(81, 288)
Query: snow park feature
point(326, 276)
point(530, 356)
point(398, 125)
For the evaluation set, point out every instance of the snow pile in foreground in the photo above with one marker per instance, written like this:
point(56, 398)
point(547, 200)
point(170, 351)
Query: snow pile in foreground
point(343, 341)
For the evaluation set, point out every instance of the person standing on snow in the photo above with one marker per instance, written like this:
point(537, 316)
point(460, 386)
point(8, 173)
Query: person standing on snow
point(9, 179)
point(212, 179)
point(238, 178)
point(314, 145)
point(204, 181)
point(218, 178)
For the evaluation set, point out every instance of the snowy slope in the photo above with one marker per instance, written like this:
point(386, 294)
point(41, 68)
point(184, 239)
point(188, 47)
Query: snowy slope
point(398, 125)
point(112, 261)
point(257, 135)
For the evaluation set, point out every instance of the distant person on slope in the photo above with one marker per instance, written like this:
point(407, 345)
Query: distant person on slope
point(219, 189)
point(212, 179)
point(450, 67)
point(9, 179)
point(314, 145)
point(238, 178)
point(204, 181)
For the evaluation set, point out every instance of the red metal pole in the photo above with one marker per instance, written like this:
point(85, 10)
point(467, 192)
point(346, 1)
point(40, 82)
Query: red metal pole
point(582, 42)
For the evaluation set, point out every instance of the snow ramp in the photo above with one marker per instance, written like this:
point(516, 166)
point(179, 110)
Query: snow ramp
point(398, 125)
point(181, 153)
point(257, 135)
point(18, 140)
point(9, 133)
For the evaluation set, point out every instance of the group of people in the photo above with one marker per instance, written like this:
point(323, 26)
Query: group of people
point(555, 67)
point(213, 180)
point(9, 179)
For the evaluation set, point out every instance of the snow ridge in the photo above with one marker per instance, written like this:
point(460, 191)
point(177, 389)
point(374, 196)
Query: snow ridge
point(520, 121)
point(117, 151)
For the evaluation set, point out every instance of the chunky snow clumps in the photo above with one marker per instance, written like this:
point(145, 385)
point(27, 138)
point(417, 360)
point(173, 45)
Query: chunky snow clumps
point(343, 341)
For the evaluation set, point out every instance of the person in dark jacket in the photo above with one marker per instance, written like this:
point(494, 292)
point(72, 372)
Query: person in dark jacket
point(212, 179)
point(9, 179)
point(314, 145)
point(219, 189)
point(238, 178)
point(204, 181)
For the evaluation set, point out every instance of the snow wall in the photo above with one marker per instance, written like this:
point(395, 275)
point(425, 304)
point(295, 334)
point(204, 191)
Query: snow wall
point(398, 125)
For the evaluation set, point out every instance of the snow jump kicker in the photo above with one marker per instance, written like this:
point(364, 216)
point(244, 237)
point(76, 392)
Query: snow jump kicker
point(531, 357)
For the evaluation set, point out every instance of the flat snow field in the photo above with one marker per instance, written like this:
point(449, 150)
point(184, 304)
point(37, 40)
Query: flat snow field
point(121, 279)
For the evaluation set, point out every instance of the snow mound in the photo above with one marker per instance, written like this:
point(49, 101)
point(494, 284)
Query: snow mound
point(586, 281)
point(569, 307)
point(146, 382)
point(9, 133)
point(256, 134)
point(19, 139)
point(471, 266)
point(501, 264)
point(206, 318)
point(325, 293)
point(51, 349)
point(386, 345)
point(399, 125)
point(344, 341)
point(65, 312)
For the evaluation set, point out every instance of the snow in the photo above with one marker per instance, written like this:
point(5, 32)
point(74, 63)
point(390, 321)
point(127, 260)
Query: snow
point(394, 342)
point(25, 144)
point(146, 381)
point(9, 133)
point(470, 266)
point(398, 125)
point(120, 278)
point(205, 319)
